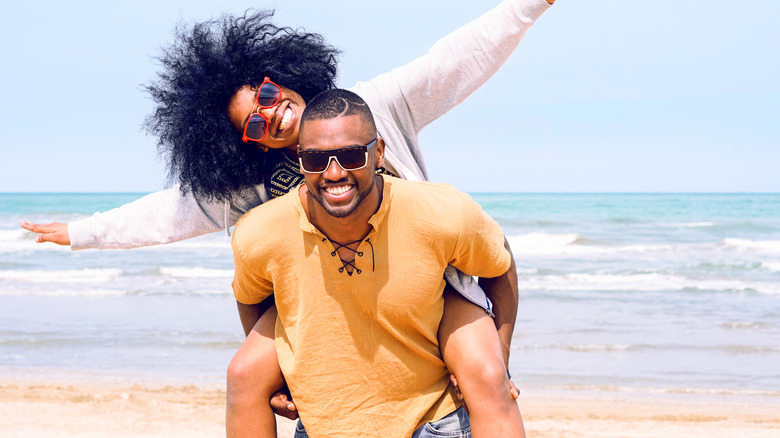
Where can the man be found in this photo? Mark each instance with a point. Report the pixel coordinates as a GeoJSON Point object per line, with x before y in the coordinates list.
{"type": "Point", "coordinates": [356, 263]}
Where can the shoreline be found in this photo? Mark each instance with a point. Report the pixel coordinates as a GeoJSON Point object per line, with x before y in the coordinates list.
{"type": "Point", "coordinates": [589, 413]}
{"type": "Point", "coordinates": [29, 408]}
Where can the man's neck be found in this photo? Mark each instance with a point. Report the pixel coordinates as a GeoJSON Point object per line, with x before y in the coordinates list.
{"type": "Point", "coordinates": [349, 228]}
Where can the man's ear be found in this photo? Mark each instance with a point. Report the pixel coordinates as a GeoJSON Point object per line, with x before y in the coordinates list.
{"type": "Point", "coordinates": [379, 151]}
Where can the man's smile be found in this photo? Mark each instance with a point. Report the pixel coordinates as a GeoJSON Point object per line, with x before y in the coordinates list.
{"type": "Point", "coordinates": [339, 191]}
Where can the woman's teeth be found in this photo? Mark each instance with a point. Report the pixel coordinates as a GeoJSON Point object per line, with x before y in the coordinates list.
{"type": "Point", "coordinates": [286, 117]}
{"type": "Point", "coordinates": [338, 191]}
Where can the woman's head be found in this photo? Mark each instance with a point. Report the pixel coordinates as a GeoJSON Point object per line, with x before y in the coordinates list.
{"type": "Point", "coordinates": [267, 116]}
{"type": "Point", "coordinates": [212, 67]}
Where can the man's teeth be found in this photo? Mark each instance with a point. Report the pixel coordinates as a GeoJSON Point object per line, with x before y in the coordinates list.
{"type": "Point", "coordinates": [285, 119]}
{"type": "Point", "coordinates": [338, 191]}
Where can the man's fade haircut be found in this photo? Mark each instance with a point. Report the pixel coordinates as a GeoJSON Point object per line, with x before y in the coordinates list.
{"type": "Point", "coordinates": [202, 70]}
{"type": "Point", "coordinates": [337, 103]}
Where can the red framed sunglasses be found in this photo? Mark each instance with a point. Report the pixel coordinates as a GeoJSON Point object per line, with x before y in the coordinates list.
{"type": "Point", "coordinates": [256, 127]}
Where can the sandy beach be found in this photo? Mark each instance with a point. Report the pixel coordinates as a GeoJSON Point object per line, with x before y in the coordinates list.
{"type": "Point", "coordinates": [29, 409]}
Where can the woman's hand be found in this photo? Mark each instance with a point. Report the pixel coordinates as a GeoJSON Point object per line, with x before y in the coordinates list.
{"type": "Point", "coordinates": [283, 406]}
{"type": "Point", "coordinates": [513, 391]}
{"type": "Point", "coordinates": [55, 232]}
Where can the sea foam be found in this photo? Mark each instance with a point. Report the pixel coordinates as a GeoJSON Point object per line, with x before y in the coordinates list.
{"type": "Point", "coordinates": [197, 272]}
{"type": "Point", "coordinates": [544, 243]}
{"type": "Point", "coordinates": [771, 266]}
{"type": "Point", "coordinates": [642, 282]}
{"type": "Point", "coordinates": [62, 276]}
{"type": "Point", "coordinates": [769, 246]}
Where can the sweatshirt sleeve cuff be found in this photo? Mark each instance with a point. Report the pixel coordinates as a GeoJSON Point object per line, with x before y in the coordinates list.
{"type": "Point", "coordinates": [530, 9]}
{"type": "Point", "coordinates": [81, 234]}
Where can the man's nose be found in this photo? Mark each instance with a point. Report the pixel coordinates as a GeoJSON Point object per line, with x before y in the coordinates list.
{"type": "Point", "coordinates": [334, 172]}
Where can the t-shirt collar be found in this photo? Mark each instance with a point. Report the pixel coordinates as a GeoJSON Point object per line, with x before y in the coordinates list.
{"type": "Point", "coordinates": [375, 220]}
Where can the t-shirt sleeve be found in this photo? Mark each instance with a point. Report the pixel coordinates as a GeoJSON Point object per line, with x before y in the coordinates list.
{"type": "Point", "coordinates": [251, 281]}
{"type": "Point", "coordinates": [479, 249]}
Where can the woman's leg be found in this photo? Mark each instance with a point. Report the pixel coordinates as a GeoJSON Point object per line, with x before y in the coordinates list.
{"type": "Point", "coordinates": [472, 352]}
{"type": "Point", "coordinates": [253, 376]}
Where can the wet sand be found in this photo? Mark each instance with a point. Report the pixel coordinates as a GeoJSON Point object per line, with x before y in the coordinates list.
{"type": "Point", "coordinates": [29, 409]}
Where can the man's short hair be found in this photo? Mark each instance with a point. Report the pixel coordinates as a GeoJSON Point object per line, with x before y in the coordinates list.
{"type": "Point", "coordinates": [337, 102]}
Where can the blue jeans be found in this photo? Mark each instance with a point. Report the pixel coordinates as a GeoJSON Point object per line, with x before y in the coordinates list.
{"type": "Point", "coordinates": [454, 425]}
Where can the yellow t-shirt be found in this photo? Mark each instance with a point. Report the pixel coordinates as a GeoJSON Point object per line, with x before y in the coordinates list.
{"type": "Point", "coordinates": [360, 353]}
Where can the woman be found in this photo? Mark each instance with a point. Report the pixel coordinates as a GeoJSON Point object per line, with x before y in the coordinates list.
{"type": "Point", "coordinates": [230, 151]}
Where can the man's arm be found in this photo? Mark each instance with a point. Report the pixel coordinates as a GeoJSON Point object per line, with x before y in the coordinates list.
{"type": "Point", "coordinates": [502, 291]}
{"type": "Point", "coordinates": [483, 251]}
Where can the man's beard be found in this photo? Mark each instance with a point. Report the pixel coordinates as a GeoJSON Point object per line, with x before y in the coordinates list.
{"type": "Point", "coordinates": [340, 212]}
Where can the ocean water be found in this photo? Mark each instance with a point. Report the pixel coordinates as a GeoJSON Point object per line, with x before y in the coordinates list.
{"type": "Point", "coordinates": [667, 293]}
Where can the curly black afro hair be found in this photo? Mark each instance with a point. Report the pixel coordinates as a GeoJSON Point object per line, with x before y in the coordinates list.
{"type": "Point", "coordinates": [202, 70]}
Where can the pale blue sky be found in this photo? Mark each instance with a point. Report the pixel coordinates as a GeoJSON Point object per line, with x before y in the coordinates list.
{"type": "Point", "coordinates": [626, 96]}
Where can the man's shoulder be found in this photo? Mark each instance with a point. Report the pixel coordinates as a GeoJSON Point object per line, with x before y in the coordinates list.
{"type": "Point", "coordinates": [433, 202]}
{"type": "Point", "coordinates": [268, 220]}
{"type": "Point", "coordinates": [425, 191]}
{"type": "Point", "coordinates": [268, 211]}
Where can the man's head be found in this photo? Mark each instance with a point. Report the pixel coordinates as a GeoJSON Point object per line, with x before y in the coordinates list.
{"type": "Point", "coordinates": [219, 64]}
{"type": "Point", "coordinates": [339, 151]}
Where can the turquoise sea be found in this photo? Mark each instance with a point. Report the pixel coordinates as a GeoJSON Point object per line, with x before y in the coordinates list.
{"type": "Point", "coordinates": [658, 293]}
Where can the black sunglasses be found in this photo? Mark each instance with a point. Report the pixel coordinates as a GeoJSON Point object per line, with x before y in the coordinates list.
{"type": "Point", "coordinates": [349, 158]}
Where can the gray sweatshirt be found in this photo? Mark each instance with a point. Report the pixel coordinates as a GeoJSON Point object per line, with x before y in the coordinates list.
{"type": "Point", "coordinates": [403, 101]}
